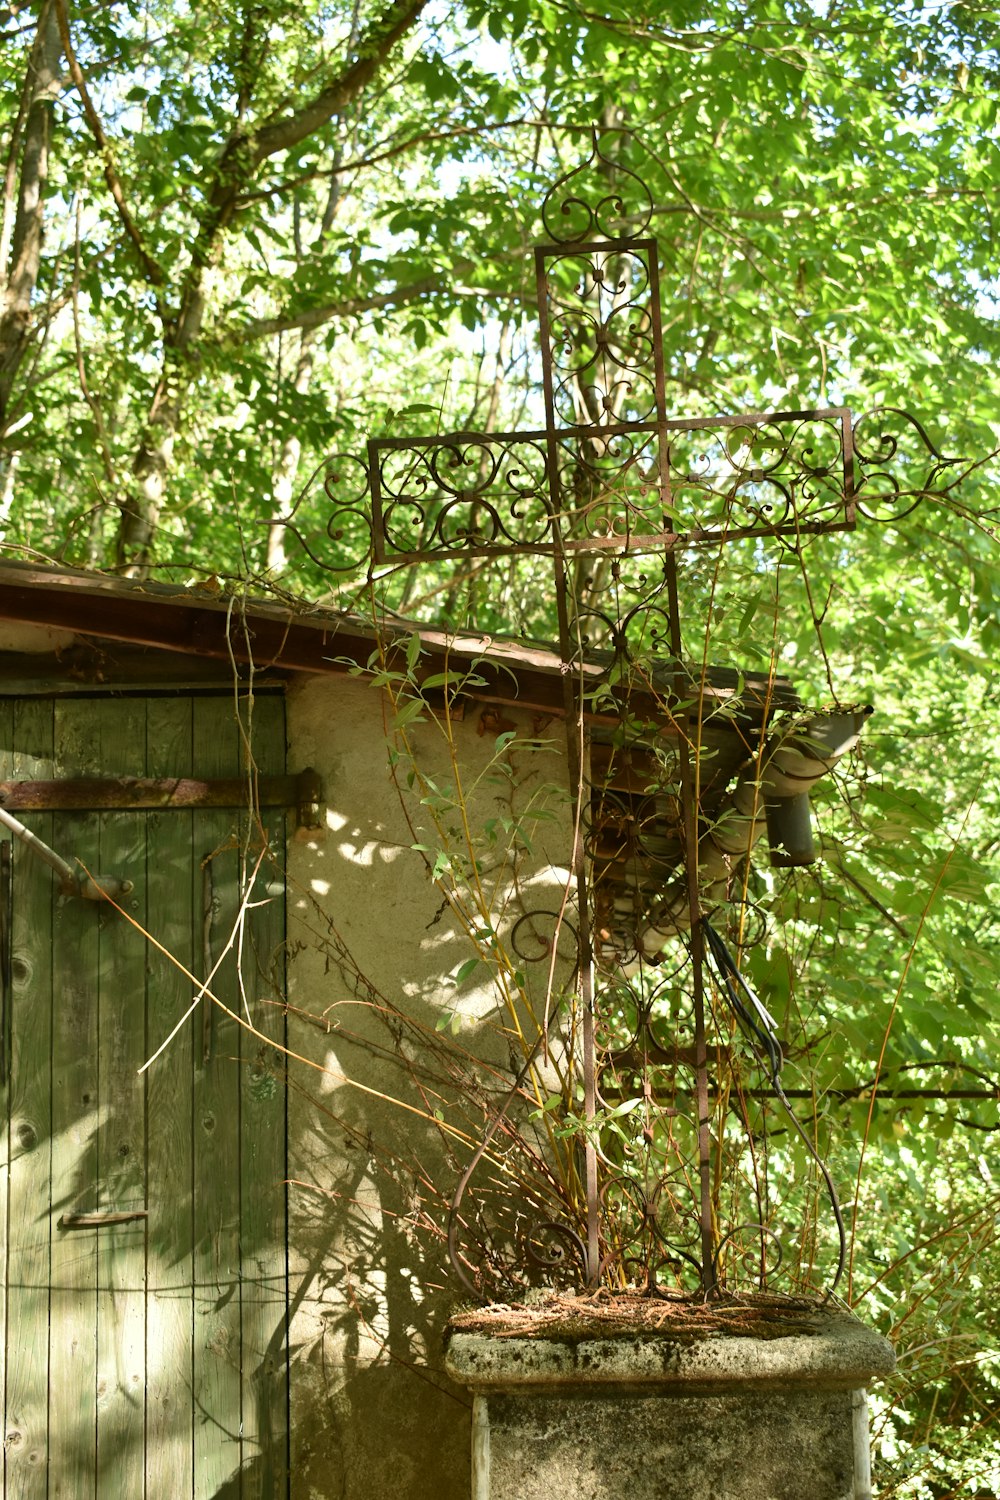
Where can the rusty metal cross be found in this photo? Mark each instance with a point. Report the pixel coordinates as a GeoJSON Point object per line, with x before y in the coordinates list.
{"type": "Point", "coordinates": [612, 475]}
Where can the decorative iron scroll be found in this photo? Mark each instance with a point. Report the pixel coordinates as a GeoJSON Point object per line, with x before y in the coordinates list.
{"type": "Point", "coordinates": [344, 542]}
{"type": "Point", "coordinates": [633, 487]}
{"type": "Point", "coordinates": [599, 198]}
{"type": "Point", "coordinates": [898, 466]}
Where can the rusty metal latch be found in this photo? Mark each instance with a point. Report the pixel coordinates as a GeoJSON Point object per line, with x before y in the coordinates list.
{"type": "Point", "coordinates": [102, 1221]}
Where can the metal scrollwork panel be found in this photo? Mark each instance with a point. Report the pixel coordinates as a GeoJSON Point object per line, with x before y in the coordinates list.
{"type": "Point", "coordinates": [608, 492]}
{"type": "Point", "coordinates": [769, 473]}
{"type": "Point", "coordinates": [602, 347]}
{"type": "Point", "coordinates": [897, 464]}
{"type": "Point", "coordinates": [609, 481]}
{"type": "Point", "coordinates": [467, 493]}
{"type": "Point", "coordinates": [620, 487]}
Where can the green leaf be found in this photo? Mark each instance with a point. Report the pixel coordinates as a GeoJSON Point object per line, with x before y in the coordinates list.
{"type": "Point", "coordinates": [407, 714]}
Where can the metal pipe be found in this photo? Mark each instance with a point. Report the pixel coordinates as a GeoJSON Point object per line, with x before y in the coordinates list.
{"type": "Point", "coordinates": [71, 882]}
{"type": "Point", "coordinates": [775, 796]}
{"type": "Point", "coordinates": [771, 795]}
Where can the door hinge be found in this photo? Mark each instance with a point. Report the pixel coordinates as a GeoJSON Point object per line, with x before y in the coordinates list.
{"type": "Point", "coordinates": [303, 791]}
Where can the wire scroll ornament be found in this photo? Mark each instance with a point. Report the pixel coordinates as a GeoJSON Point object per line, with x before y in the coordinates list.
{"type": "Point", "coordinates": [598, 199]}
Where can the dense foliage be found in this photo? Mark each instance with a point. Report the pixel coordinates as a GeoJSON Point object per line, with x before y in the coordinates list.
{"type": "Point", "coordinates": [237, 238]}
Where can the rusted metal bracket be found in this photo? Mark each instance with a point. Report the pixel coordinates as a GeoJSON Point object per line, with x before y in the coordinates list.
{"type": "Point", "coordinates": [303, 791]}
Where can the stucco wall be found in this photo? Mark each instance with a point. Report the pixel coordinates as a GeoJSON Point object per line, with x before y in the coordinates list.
{"type": "Point", "coordinates": [36, 638]}
{"type": "Point", "coordinates": [373, 1413]}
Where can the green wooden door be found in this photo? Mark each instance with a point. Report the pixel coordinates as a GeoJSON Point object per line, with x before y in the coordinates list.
{"type": "Point", "coordinates": [144, 1357]}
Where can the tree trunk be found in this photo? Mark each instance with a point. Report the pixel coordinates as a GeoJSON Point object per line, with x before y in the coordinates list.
{"type": "Point", "coordinates": [21, 273]}
{"type": "Point", "coordinates": [237, 166]}
{"type": "Point", "coordinates": [287, 467]}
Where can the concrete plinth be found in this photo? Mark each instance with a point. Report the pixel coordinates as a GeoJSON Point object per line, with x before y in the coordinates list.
{"type": "Point", "coordinates": [705, 1414]}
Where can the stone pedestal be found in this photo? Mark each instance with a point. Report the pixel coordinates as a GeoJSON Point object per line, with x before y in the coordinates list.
{"type": "Point", "coordinates": [710, 1413]}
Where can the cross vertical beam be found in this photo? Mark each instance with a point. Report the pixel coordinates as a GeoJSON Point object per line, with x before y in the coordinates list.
{"type": "Point", "coordinates": [614, 309]}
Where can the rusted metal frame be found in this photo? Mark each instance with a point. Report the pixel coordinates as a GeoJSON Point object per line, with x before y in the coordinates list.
{"type": "Point", "coordinates": [850, 497]}
{"type": "Point", "coordinates": [841, 414]}
{"type": "Point", "coordinates": [609, 245]}
{"type": "Point", "coordinates": [864, 1090]}
{"type": "Point", "coordinates": [555, 440]}
{"type": "Point", "coordinates": [845, 1094]}
{"type": "Point", "coordinates": [375, 494]}
{"type": "Point", "coordinates": [680, 689]}
{"type": "Point", "coordinates": [648, 541]}
{"type": "Point", "coordinates": [576, 731]}
{"type": "Point", "coordinates": [661, 425]}
{"type": "Point", "coordinates": [689, 816]}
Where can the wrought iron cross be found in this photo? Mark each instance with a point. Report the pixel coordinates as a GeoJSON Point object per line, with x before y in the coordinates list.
{"type": "Point", "coordinates": [610, 477]}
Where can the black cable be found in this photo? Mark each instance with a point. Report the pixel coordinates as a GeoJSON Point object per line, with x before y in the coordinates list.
{"type": "Point", "coordinates": [759, 1023]}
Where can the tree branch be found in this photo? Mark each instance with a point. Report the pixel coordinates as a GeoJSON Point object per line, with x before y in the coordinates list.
{"type": "Point", "coordinates": [374, 46]}
{"type": "Point", "coordinates": [243, 154]}
{"type": "Point", "coordinates": [385, 153]}
{"type": "Point", "coordinates": [316, 317]}
{"type": "Point", "coordinates": [10, 167]}
{"type": "Point", "coordinates": [152, 271]}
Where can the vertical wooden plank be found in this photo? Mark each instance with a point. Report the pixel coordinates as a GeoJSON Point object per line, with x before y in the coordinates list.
{"type": "Point", "coordinates": [6, 738]}
{"type": "Point", "coordinates": [29, 1127]}
{"type": "Point", "coordinates": [119, 748]}
{"type": "Point", "coordinates": [264, 1280]}
{"type": "Point", "coordinates": [6, 771]}
{"type": "Point", "coordinates": [173, 921]}
{"type": "Point", "coordinates": [216, 1174]}
{"type": "Point", "coordinates": [75, 1119]}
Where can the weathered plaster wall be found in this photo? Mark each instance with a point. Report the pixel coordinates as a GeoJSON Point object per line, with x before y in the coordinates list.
{"type": "Point", "coordinates": [373, 1412]}
{"type": "Point", "coordinates": [36, 638]}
